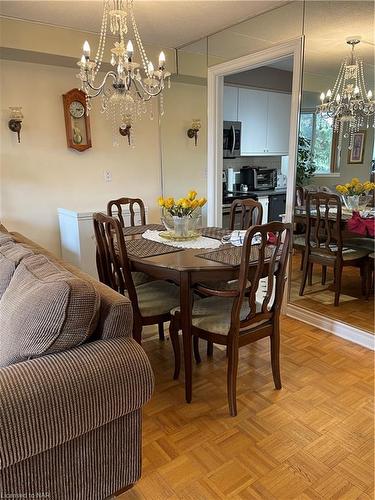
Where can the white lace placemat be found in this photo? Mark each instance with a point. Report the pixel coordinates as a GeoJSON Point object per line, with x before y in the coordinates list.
{"type": "Point", "coordinates": [201, 242]}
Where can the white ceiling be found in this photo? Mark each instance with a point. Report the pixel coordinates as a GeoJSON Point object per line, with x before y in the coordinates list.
{"type": "Point", "coordinates": [168, 23]}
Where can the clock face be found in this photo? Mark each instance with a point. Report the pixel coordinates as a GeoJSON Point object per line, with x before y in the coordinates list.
{"type": "Point", "coordinates": [76, 109]}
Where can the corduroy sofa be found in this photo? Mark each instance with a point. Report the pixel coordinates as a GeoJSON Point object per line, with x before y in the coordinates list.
{"type": "Point", "coordinates": [70, 421]}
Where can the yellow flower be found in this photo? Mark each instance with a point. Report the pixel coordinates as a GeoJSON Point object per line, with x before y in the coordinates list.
{"type": "Point", "coordinates": [355, 181]}
{"type": "Point", "coordinates": [191, 195]}
{"type": "Point", "coordinates": [186, 203]}
{"type": "Point", "coordinates": [194, 204]}
{"type": "Point", "coordinates": [202, 201]}
{"type": "Point", "coordinates": [342, 189]}
{"type": "Point", "coordinates": [180, 202]}
{"type": "Point", "coordinates": [169, 202]}
{"type": "Point", "coordinates": [348, 185]}
{"type": "Point", "coordinates": [161, 201]}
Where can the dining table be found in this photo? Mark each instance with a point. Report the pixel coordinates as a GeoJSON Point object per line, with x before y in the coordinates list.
{"type": "Point", "coordinates": [186, 268]}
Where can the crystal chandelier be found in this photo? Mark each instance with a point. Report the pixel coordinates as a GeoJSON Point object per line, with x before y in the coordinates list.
{"type": "Point", "coordinates": [348, 106]}
{"type": "Point", "coordinates": [125, 90]}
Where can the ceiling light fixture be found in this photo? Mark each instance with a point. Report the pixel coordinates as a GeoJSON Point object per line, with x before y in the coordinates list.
{"type": "Point", "coordinates": [125, 90]}
{"type": "Point", "coordinates": [349, 106]}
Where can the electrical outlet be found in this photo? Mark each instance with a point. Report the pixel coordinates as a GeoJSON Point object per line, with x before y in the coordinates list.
{"type": "Point", "coordinates": [107, 176]}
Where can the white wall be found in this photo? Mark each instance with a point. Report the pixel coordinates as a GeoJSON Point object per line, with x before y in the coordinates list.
{"type": "Point", "coordinates": [41, 174]}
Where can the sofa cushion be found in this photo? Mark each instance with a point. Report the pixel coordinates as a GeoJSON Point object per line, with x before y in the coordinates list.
{"type": "Point", "coordinates": [45, 309]}
{"type": "Point", "coordinates": [11, 255]}
{"type": "Point", "coordinates": [5, 238]}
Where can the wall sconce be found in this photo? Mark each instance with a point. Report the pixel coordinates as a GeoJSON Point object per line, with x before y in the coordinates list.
{"type": "Point", "coordinates": [125, 132]}
{"type": "Point", "coordinates": [15, 120]}
{"type": "Point", "coordinates": [193, 131]}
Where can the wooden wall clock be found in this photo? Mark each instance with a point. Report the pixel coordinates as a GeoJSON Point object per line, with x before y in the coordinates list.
{"type": "Point", "coordinates": [77, 123]}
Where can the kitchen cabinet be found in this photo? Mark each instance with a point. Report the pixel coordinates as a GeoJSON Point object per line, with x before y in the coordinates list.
{"type": "Point", "coordinates": [276, 206]}
{"type": "Point", "coordinates": [252, 113]}
{"type": "Point", "coordinates": [278, 122]}
{"type": "Point", "coordinates": [265, 118]}
{"type": "Point", "coordinates": [230, 104]}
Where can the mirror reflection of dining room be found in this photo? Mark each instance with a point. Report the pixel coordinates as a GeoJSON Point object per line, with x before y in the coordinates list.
{"type": "Point", "coordinates": [333, 249]}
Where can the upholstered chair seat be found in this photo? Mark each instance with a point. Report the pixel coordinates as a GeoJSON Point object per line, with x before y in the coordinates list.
{"type": "Point", "coordinates": [157, 297]}
{"type": "Point", "coordinates": [213, 314]}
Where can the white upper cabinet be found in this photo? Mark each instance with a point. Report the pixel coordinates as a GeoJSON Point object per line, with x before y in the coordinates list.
{"type": "Point", "coordinates": [278, 122]}
{"type": "Point", "coordinates": [265, 118]}
{"type": "Point", "coordinates": [230, 103]}
{"type": "Point", "coordinates": [252, 112]}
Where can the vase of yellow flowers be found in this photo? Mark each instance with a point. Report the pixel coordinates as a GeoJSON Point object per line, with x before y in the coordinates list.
{"type": "Point", "coordinates": [355, 194]}
{"type": "Point", "coordinates": [180, 217]}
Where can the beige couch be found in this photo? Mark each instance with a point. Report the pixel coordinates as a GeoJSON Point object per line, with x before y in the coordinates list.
{"type": "Point", "coordinates": [70, 422]}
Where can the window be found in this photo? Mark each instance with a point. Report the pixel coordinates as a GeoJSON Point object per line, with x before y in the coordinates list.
{"type": "Point", "coordinates": [319, 131]}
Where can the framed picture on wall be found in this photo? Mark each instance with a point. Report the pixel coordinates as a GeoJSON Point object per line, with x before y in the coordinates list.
{"type": "Point", "coordinates": [355, 155]}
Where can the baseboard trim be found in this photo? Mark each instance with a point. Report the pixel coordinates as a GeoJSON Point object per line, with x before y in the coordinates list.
{"type": "Point", "coordinates": [338, 328]}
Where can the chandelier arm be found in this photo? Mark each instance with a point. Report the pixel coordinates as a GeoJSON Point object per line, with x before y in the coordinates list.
{"type": "Point", "coordinates": [111, 74]}
{"type": "Point", "coordinates": [150, 93]}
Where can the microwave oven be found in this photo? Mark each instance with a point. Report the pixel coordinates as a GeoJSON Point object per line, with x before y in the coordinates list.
{"type": "Point", "coordinates": [259, 178]}
{"type": "Point", "coordinates": [231, 139]}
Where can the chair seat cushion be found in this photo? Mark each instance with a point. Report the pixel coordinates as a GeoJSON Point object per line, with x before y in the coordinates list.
{"type": "Point", "coordinates": [157, 297]}
{"type": "Point", "coordinates": [223, 285]}
{"type": "Point", "coordinates": [11, 255]}
{"type": "Point", "coordinates": [213, 314]}
{"type": "Point", "coordinates": [45, 309]}
{"type": "Point", "coordinates": [140, 278]}
{"type": "Point", "coordinates": [361, 244]}
{"type": "Point", "coordinates": [347, 253]}
{"type": "Point", "coordinates": [299, 240]}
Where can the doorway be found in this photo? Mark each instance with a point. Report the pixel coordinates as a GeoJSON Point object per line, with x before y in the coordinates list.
{"type": "Point", "coordinates": [216, 75]}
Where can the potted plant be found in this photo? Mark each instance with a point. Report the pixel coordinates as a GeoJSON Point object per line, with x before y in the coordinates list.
{"type": "Point", "coordinates": [181, 216]}
{"type": "Point", "coordinates": [305, 162]}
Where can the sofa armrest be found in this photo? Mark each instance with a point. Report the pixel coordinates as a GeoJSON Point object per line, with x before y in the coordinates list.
{"type": "Point", "coordinates": [47, 401]}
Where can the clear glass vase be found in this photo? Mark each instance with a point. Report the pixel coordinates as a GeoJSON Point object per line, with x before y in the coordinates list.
{"type": "Point", "coordinates": [181, 227]}
{"type": "Point", "coordinates": [356, 202]}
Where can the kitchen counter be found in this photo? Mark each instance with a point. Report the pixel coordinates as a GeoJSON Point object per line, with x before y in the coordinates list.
{"type": "Point", "coordinates": [268, 192]}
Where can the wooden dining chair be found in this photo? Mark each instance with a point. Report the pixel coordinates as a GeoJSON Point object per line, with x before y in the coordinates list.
{"type": "Point", "coordinates": [324, 244]}
{"type": "Point", "coordinates": [233, 317]}
{"type": "Point", "coordinates": [151, 301]}
{"type": "Point", "coordinates": [115, 209]}
{"type": "Point", "coordinates": [245, 213]}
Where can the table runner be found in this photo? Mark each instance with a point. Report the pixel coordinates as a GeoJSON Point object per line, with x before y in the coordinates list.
{"type": "Point", "coordinates": [147, 248]}
{"type": "Point", "coordinates": [141, 229]}
{"type": "Point", "coordinates": [231, 255]}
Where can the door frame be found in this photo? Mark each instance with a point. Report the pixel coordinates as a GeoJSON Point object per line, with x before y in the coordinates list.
{"type": "Point", "coordinates": [215, 120]}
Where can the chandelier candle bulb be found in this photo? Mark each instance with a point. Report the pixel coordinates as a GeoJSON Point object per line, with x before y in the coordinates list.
{"type": "Point", "coordinates": [129, 49]}
{"type": "Point", "coordinates": [322, 97]}
{"type": "Point", "coordinates": [369, 95]}
{"type": "Point", "coordinates": [86, 49]}
{"type": "Point", "coordinates": [329, 94]}
{"type": "Point", "coordinates": [356, 90]}
{"type": "Point", "coordinates": [83, 60]}
{"type": "Point", "coordinates": [161, 60]}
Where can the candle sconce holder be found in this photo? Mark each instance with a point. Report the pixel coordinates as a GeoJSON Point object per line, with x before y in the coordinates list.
{"type": "Point", "coordinates": [15, 122]}
{"type": "Point", "coordinates": [192, 133]}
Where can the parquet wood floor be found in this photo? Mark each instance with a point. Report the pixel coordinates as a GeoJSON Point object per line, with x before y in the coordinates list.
{"type": "Point", "coordinates": [311, 440]}
{"type": "Point", "coordinates": [353, 309]}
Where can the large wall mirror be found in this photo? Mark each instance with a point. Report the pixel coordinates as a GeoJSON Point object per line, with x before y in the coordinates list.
{"type": "Point", "coordinates": [325, 27]}
{"type": "Point", "coordinates": [326, 160]}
